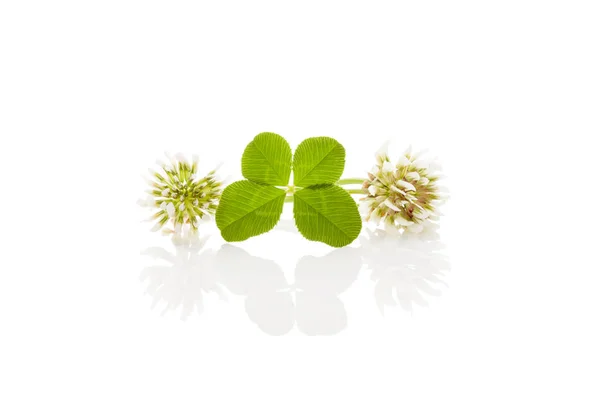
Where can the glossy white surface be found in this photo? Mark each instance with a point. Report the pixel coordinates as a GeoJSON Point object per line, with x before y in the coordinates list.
{"type": "Point", "coordinates": [504, 304]}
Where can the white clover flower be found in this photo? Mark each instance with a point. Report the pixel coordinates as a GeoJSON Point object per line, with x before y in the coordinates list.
{"type": "Point", "coordinates": [180, 196]}
{"type": "Point", "coordinates": [405, 195]}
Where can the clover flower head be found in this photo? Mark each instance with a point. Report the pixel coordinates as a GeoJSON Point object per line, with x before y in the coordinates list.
{"type": "Point", "coordinates": [404, 196]}
{"type": "Point", "coordinates": [180, 196]}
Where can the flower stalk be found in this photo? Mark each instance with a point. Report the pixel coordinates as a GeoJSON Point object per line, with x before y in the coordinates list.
{"type": "Point", "coordinates": [350, 181]}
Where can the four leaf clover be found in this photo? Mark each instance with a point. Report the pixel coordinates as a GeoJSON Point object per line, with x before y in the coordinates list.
{"type": "Point", "coordinates": [323, 211]}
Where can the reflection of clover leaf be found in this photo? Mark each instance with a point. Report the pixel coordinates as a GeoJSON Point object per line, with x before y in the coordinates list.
{"type": "Point", "coordinates": [323, 211]}
{"type": "Point", "coordinates": [189, 273]}
{"type": "Point", "coordinates": [405, 270]}
{"type": "Point", "coordinates": [312, 302]}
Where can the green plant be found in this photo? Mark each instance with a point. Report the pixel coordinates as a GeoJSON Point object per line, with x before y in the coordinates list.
{"type": "Point", "coordinates": [323, 211]}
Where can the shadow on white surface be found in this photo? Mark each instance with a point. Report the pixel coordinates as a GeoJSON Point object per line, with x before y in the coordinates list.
{"type": "Point", "coordinates": [186, 274]}
{"type": "Point", "coordinates": [406, 268]}
{"type": "Point", "coordinates": [311, 302]}
{"type": "Point", "coordinates": [406, 272]}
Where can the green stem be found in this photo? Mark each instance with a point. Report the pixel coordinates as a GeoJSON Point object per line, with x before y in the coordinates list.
{"type": "Point", "coordinates": [355, 191]}
{"type": "Point", "coordinates": [350, 181]}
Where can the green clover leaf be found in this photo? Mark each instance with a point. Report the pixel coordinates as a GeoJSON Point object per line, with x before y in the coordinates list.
{"type": "Point", "coordinates": [317, 161]}
{"type": "Point", "coordinates": [248, 209]}
{"type": "Point", "coordinates": [323, 211]}
{"type": "Point", "coordinates": [268, 159]}
{"type": "Point", "coordinates": [327, 214]}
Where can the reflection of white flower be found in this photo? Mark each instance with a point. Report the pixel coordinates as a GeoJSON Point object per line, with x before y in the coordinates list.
{"type": "Point", "coordinates": [180, 196]}
{"type": "Point", "coordinates": [403, 195]}
{"type": "Point", "coordinates": [190, 273]}
{"type": "Point", "coordinates": [405, 271]}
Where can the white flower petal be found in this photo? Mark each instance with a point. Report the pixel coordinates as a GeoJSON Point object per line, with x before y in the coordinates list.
{"type": "Point", "coordinates": [165, 192]}
{"type": "Point", "coordinates": [381, 154]}
{"type": "Point", "coordinates": [387, 167]}
{"type": "Point", "coordinates": [375, 217]}
{"type": "Point", "coordinates": [424, 181]}
{"type": "Point", "coordinates": [419, 153]}
{"type": "Point", "coordinates": [395, 189]}
{"type": "Point", "coordinates": [180, 157]}
{"type": "Point", "coordinates": [364, 207]}
{"type": "Point", "coordinates": [372, 190]}
{"type": "Point", "coordinates": [178, 228]}
{"type": "Point", "coordinates": [172, 159]}
{"type": "Point", "coordinates": [413, 176]}
{"type": "Point", "coordinates": [391, 205]}
{"type": "Point", "coordinates": [421, 163]}
{"type": "Point", "coordinates": [147, 202]}
{"type": "Point", "coordinates": [400, 220]}
{"type": "Point", "coordinates": [405, 185]}
{"type": "Point", "coordinates": [171, 210]}
{"type": "Point", "coordinates": [181, 207]}
{"type": "Point", "coordinates": [422, 214]}
{"type": "Point", "coordinates": [403, 162]}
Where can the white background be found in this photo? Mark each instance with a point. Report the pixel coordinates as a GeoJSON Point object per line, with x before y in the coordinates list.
{"type": "Point", "coordinates": [505, 93]}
